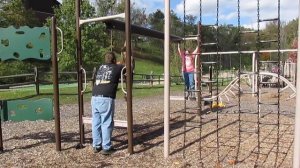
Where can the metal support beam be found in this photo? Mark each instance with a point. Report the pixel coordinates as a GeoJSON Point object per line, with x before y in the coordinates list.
{"type": "Point", "coordinates": [55, 84]}
{"type": "Point", "coordinates": [249, 52]}
{"type": "Point", "coordinates": [190, 38]}
{"type": "Point", "coordinates": [129, 77]}
{"type": "Point", "coordinates": [254, 77]}
{"type": "Point", "coordinates": [167, 80]}
{"type": "Point", "coordinates": [79, 74]}
{"type": "Point", "coordinates": [296, 161]}
{"type": "Point", "coordinates": [83, 21]}
{"type": "Point", "coordinates": [1, 140]}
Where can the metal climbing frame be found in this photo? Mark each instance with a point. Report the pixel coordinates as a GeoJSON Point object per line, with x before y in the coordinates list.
{"type": "Point", "coordinates": [260, 101]}
{"type": "Point", "coordinates": [55, 82]}
{"type": "Point", "coordinates": [81, 71]}
{"type": "Point", "coordinates": [296, 160]}
{"type": "Point", "coordinates": [211, 64]}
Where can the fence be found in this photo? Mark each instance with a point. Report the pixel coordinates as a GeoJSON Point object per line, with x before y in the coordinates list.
{"type": "Point", "coordinates": [39, 77]}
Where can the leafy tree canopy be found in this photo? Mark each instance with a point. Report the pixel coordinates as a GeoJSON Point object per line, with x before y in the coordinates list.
{"type": "Point", "coordinates": [94, 37]}
{"type": "Point", "coordinates": [14, 13]}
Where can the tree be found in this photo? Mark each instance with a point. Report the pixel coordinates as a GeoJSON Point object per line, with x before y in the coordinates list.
{"type": "Point", "coordinates": [14, 13]}
{"type": "Point", "coordinates": [190, 25]}
{"type": "Point", "coordinates": [293, 55]}
{"type": "Point", "coordinates": [105, 7]}
{"type": "Point", "coordinates": [94, 37]}
{"type": "Point", "coordinates": [156, 20]}
{"type": "Point", "coordinates": [291, 30]}
{"type": "Point", "coordinates": [176, 26]}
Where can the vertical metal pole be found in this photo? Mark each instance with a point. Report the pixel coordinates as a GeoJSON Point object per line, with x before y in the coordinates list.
{"type": "Point", "coordinates": [79, 73]}
{"type": "Point", "coordinates": [167, 80]}
{"type": "Point", "coordinates": [199, 82]}
{"type": "Point", "coordinates": [111, 40]}
{"type": "Point", "coordinates": [254, 63]}
{"type": "Point", "coordinates": [129, 76]}
{"type": "Point", "coordinates": [199, 70]}
{"type": "Point", "coordinates": [210, 84]}
{"type": "Point", "coordinates": [55, 85]}
{"type": "Point", "coordinates": [253, 76]}
{"type": "Point", "coordinates": [296, 162]}
{"type": "Point", "coordinates": [37, 81]}
{"type": "Point", "coordinates": [1, 140]}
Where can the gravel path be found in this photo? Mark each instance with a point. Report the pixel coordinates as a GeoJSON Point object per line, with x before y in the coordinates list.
{"type": "Point", "coordinates": [222, 143]}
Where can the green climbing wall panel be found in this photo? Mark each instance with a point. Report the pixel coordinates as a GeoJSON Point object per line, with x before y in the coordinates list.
{"type": "Point", "coordinates": [20, 110]}
{"type": "Point", "coordinates": [24, 42]}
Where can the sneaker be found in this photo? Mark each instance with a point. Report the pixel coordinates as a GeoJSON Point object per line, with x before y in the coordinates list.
{"type": "Point", "coordinates": [186, 95]}
{"type": "Point", "coordinates": [97, 149]}
{"type": "Point", "coordinates": [108, 151]}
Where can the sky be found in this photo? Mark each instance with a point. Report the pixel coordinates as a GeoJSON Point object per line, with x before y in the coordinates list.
{"type": "Point", "coordinates": [227, 11]}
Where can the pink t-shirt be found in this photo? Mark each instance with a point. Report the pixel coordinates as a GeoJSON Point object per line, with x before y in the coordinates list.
{"type": "Point", "coordinates": [187, 62]}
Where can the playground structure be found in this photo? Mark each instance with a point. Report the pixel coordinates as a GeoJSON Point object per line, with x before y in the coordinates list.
{"type": "Point", "coordinates": [235, 85]}
{"type": "Point", "coordinates": [38, 49]}
{"type": "Point", "coordinates": [267, 77]}
{"type": "Point", "coordinates": [256, 81]}
{"type": "Point", "coordinates": [129, 29]}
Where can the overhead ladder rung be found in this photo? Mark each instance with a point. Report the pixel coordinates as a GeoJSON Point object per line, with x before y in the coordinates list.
{"type": "Point", "coordinates": [268, 20]}
{"type": "Point", "coordinates": [268, 123]}
{"type": "Point", "coordinates": [270, 104]}
{"type": "Point", "coordinates": [209, 63]}
{"type": "Point", "coordinates": [262, 83]}
{"type": "Point", "coordinates": [249, 73]}
{"type": "Point", "coordinates": [249, 130]}
{"type": "Point", "coordinates": [209, 81]}
{"type": "Point", "coordinates": [268, 41]}
{"type": "Point", "coordinates": [248, 31]}
{"type": "Point", "coordinates": [212, 25]}
{"type": "Point", "coordinates": [122, 15]}
{"type": "Point", "coordinates": [249, 112]}
{"type": "Point", "coordinates": [208, 44]}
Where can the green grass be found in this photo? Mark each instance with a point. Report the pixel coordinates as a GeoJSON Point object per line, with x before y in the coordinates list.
{"type": "Point", "coordinates": [68, 94]}
{"type": "Point", "coordinates": [146, 66]}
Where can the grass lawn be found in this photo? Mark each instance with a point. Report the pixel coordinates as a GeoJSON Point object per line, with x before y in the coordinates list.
{"type": "Point", "coordinates": [68, 93]}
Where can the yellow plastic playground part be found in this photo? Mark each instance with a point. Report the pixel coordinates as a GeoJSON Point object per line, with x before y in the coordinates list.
{"type": "Point", "coordinates": [218, 105]}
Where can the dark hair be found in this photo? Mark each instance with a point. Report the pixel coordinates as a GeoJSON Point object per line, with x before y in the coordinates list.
{"type": "Point", "coordinates": [110, 58]}
{"type": "Point", "coordinates": [189, 50]}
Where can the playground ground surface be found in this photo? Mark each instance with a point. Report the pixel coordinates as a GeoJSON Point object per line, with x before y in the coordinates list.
{"type": "Point", "coordinates": [32, 144]}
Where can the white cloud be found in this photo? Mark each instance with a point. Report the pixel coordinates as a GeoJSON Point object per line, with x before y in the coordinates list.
{"type": "Point", "coordinates": [150, 5]}
{"type": "Point", "coordinates": [227, 9]}
{"type": "Point", "coordinates": [248, 10]}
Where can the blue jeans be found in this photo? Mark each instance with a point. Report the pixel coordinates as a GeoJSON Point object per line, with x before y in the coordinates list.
{"type": "Point", "coordinates": [102, 121]}
{"type": "Point", "coordinates": [189, 80]}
